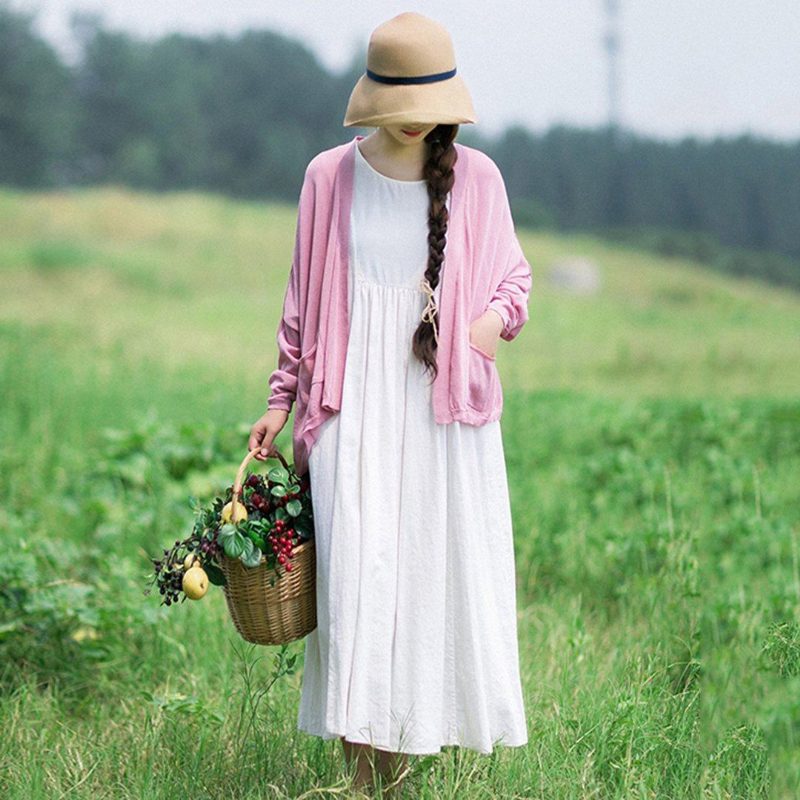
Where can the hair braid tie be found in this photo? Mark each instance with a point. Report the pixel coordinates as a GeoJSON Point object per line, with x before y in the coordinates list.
{"type": "Point", "coordinates": [430, 308]}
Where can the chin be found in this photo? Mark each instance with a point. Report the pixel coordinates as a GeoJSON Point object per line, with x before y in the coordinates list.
{"type": "Point", "coordinates": [398, 132]}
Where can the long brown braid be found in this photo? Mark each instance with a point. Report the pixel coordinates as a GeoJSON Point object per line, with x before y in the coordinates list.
{"type": "Point", "coordinates": [438, 172]}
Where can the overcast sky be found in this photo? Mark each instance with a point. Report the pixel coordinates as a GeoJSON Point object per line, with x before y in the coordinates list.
{"type": "Point", "coordinates": [702, 67]}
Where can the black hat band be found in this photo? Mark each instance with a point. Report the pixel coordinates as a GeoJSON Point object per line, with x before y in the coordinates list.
{"type": "Point", "coordinates": [439, 76]}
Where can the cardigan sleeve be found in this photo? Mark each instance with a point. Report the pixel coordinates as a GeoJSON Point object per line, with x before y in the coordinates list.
{"type": "Point", "coordinates": [283, 380]}
{"type": "Point", "coordinates": [510, 296]}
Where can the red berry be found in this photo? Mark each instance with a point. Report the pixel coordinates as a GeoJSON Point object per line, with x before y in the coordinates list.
{"type": "Point", "coordinates": [281, 559]}
{"type": "Point", "coordinates": [288, 567]}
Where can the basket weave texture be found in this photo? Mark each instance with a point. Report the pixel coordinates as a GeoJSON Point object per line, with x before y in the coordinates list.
{"type": "Point", "coordinates": [269, 605]}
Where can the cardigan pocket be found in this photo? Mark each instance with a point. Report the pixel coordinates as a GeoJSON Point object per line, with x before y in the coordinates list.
{"type": "Point", "coordinates": [483, 390]}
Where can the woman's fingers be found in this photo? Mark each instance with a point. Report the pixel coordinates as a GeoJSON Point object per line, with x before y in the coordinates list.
{"type": "Point", "coordinates": [263, 433]}
{"type": "Point", "coordinates": [256, 436]}
{"type": "Point", "coordinates": [263, 438]}
{"type": "Point", "coordinates": [259, 438]}
{"type": "Point", "coordinates": [266, 447]}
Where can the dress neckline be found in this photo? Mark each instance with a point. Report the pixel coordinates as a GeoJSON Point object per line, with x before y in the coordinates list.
{"type": "Point", "coordinates": [372, 169]}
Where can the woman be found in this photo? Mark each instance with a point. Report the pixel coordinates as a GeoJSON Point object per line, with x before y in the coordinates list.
{"type": "Point", "coordinates": [406, 266]}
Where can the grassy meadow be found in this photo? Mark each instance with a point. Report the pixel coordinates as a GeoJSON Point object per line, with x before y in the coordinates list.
{"type": "Point", "coordinates": [652, 437]}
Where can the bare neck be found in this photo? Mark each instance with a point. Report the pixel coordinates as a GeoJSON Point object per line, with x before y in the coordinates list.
{"type": "Point", "coordinates": [394, 159]}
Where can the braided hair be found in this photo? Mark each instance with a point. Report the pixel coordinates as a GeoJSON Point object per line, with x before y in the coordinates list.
{"type": "Point", "coordinates": [438, 172]}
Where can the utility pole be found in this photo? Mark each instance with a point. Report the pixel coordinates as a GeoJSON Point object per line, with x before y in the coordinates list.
{"type": "Point", "coordinates": [612, 44]}
{"type": "Point", "coordinates": [616, 206]}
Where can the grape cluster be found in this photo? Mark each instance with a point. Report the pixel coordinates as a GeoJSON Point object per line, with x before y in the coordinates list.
{"type": "Point", "coordinates": [172, 586]}
{"type": "Point", "coordinates": [209, 548]}
{"type": "Point", "coordinates": [260, 502]}
{"type": "Point", "coordinates": [169, 574]}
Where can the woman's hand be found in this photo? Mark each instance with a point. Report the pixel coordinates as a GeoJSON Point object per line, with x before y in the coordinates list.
{"type": "Point", "coordinates": [265, 430]}
{"type": "Point", "coordinates": [484, 332]}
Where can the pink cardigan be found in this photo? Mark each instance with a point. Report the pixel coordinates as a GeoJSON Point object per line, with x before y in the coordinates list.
{"type": "Point", "coordinates": [484, 267]}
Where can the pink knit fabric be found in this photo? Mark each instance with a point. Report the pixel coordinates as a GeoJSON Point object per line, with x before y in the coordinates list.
{"type": "Point", "coordinates": [484, 267]}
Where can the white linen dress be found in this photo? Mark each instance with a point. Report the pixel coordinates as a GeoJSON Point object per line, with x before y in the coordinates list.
{"type": "Point", "coordinates": [416, 642]}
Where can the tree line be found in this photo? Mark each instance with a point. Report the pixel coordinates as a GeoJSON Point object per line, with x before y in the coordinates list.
{"type": "Point", "coordinates": [244, 114]}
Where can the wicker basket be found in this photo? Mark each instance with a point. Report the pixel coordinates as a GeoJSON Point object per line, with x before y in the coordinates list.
{"type": "Point", "coordinates": [265, 614]}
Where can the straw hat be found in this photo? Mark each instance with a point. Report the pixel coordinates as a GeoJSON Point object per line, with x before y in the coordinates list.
{"type": "Point", "coordinates": [410, 77]}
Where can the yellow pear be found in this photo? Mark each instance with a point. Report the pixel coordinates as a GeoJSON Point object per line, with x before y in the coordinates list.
{"type": "Point", "coordinates": [241, 512]}
{"type": "Point", "coordinates": [195, 582]}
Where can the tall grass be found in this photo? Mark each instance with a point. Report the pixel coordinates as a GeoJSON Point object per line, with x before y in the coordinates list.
{"type": "Point", "coordinates": [655, 506]}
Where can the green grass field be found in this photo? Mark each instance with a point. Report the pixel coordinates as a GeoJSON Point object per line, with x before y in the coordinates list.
{"type": "Point", "coordinates": [652, 436]}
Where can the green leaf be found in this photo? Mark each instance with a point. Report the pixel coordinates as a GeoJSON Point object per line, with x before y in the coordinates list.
{"type": "Point", "coordinates": [278, 491]}
{"type": "Point", "coordinates": [294, 507]}
{"type": "Point", "coordinates": [226, 531]}
{"type": "Point", "coordinates": [235, 544]}
{"type": "Point", "coordinates": [215, 574]}
{"type": "Point", "coordinates": [278, 475]}
{"type": "Point", "coordinates": [253, 558]}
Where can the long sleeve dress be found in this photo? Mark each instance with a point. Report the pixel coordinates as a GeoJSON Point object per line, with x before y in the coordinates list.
{"type": "Point", "coordinates": [416, 642]}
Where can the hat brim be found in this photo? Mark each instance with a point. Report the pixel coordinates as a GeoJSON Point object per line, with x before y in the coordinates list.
{"type": "Point", "coordinates": [444, 102]}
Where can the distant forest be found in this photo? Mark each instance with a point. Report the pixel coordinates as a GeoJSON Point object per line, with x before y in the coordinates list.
{"type": "Point", "coordinates": [243, 115]}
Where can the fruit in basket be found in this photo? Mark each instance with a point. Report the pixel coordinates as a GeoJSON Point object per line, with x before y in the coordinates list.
{"type": "Point", "coordinates": [241, 512]}
{"type": "Point", "coordinates": [195, 582]}
{"type": "Point", "coordinates": [276, 519]}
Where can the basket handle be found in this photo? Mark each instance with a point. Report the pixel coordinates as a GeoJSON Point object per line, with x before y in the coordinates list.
{"type": "Point", "coordinates": [237, 484]}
